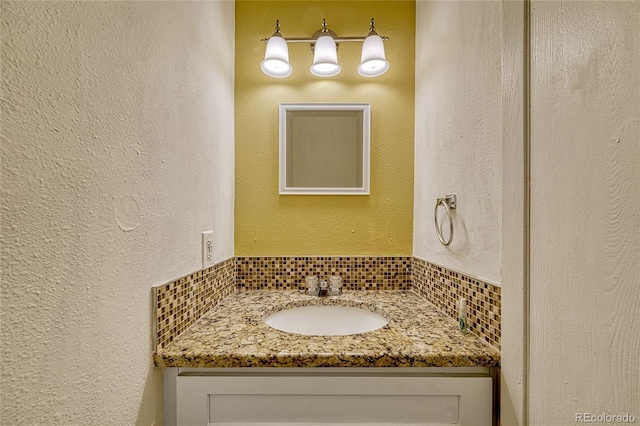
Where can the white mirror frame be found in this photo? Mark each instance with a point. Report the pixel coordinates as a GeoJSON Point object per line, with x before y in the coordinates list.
{"type": "Point", "coordinates": [366, 156]}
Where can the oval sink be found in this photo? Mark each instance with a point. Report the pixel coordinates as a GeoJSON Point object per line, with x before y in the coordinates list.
{"type": "Point", "coordinates": [326, 320]}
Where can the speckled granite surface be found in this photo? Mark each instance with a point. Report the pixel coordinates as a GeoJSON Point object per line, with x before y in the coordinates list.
{"type": "Point", "coordinates": [234, 335]}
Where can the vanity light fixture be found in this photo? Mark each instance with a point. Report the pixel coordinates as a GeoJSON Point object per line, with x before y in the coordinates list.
{"type": "Point", "coordinates": [372, 61]}
{"type": "Point", "coordinates": [276, 59]}
{"type": "Point", "coordinates": [325, 54]}
{"type": "Point", "coordinates": [324, 46]}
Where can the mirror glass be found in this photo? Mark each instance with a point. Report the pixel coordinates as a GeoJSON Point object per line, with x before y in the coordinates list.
{"type": "Point", "coordinates": [324, 148]}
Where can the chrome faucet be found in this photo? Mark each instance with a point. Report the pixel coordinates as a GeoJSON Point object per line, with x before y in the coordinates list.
{"type": "Point", "coordinates": [322, 288]}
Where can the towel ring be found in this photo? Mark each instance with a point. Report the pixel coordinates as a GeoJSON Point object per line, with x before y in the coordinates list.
{"type": "Point", "coordinates": [449, 202]}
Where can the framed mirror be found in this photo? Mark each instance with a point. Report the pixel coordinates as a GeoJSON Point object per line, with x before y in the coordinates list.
{"type": "Point", "coordinates": [324, 148]}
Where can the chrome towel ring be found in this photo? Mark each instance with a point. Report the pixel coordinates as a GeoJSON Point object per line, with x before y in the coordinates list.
{"type": "Point", "coordinates": [449, 202]}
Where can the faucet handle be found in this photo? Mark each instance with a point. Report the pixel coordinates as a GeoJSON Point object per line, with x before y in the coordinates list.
{"type": "Point", "coordinates": [312, 285]}
{"type": "Point", "coordinates": [336, 284]}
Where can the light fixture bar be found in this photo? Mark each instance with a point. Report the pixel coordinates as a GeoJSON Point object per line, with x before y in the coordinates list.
{"type": "Point", "coordinates": [324, 29]}
{"type": "Point", "coordinates": [313, 40]}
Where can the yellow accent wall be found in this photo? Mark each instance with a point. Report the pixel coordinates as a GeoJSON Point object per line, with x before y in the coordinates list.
{"type": "Point", "coordinates": [269, 224]}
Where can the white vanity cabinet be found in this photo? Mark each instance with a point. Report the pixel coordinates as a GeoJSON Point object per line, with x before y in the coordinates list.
{"type": "Point", "coordinates": [314, 396]}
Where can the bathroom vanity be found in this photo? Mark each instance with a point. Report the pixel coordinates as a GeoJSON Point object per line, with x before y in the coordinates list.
{"type": "Point", "coordinates": [230, 367]}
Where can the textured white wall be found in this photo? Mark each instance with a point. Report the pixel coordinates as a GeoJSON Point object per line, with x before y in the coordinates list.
{"type": "Point", "coordinates": [585, 210]}
{"type": "Point", "coordinates": [458, 144]}
{"type": "Point", "coordinates": [512, 361]}
{"type": "Point", "coordinates": [117, 151]}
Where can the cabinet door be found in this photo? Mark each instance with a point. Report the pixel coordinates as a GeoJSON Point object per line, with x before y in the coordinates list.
{"type": "Point", "coordinates": [339, 400]}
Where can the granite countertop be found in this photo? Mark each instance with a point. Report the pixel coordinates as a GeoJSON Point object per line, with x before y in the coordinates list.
{"type": "Point", "coordinates": [233, 334]}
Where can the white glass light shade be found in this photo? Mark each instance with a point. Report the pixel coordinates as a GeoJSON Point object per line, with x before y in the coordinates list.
{"type": "Point", "coordinates": [325, 57]}
{"type": "Point", "coordinates": [276, 59]}
{"type": "Point", "coordinates": [372, 61]}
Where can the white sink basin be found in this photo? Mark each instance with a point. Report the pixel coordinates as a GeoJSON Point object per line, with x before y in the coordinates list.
{"type": "Point", "coordinates": [326, 320]}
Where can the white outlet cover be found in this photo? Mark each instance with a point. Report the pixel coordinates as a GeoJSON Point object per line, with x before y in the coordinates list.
{"type": "Point", "coordinates": [207, 249]}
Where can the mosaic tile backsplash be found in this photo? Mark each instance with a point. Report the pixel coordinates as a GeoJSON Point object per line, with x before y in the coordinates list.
{"type": "Point", "coordinates": [357, 272]}
{"type": "Point", "coordinates": [444, 287]}
{"type": "Point", "coordinates": [182, 302]}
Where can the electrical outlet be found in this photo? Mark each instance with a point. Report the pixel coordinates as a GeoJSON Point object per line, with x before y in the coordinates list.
{"type": "Point", "coordinates": [207, 249]}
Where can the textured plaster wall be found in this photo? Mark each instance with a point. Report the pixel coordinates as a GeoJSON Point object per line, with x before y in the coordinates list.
{"type": "Point", "coordinates": [269, 224]}
{"type": "Point", "coordinates": [585, 210]}
{"type": "Point", "coordinates": [513, 307]}
{"type": "Point", "coordinates": [458, 137]}
{"type": "Point", "coordinates": [117, 151]}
